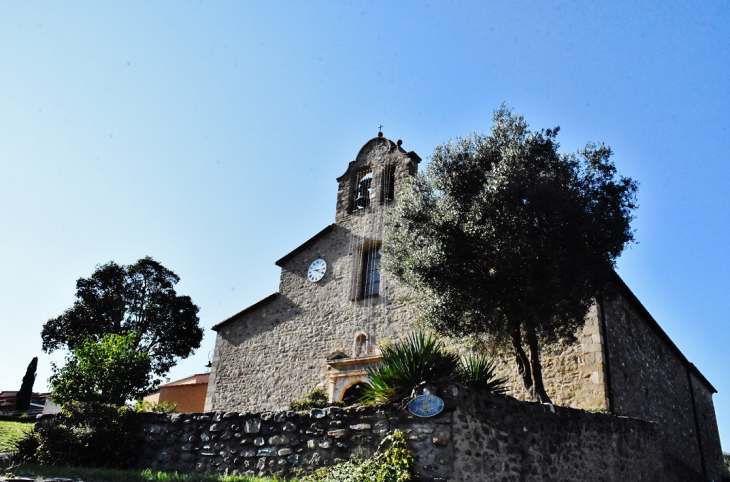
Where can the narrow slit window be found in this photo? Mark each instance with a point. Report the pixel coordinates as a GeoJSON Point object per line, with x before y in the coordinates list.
{"type": "Point", "coordinates": [363, 184]}
{"type": "Point", "coordinates": [371, 273]}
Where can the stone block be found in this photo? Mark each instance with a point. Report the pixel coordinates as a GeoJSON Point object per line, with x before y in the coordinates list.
{"type": "Point", "coordinates": [278, 440]}
{"type": "Point", "coordinates": [289, 427]}
{"type": "Point", "coordinates": [441, 437]}
{"type": "Point", "coordinates": [338, 434]}
{"type": "Point", "coordinates": [381, 427]}
{"type": "Point", "coordinates": [252, 425]}
{"type": "Point", "coordinates": [360, 426]}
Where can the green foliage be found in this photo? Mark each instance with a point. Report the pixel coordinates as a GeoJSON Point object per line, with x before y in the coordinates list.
{"type": "Point", "coordinates": [478, 371]}
{"type": "Point", "coordinates": [726, 460]}
{"type": "Point", "coordinates": [110, 370]}
{"type": "Point", "coordinates": [502, 235]}
{"type": "Point", "coordinates": [116, 475]}
{"type": "Point", "coordinates": [22, 400]}
{"type": "Point", "coordinates": [11, 433]}
{"type": "Point", "coordinates": [317, 398]}
{"type": "Point", "coordinates": [138, 298]}
{"type": "Point", "coordinates": [414, 361]}
{"type": "Point", "coordinates": [154, 407]}
{"type": "Point", "coordinates": [392, 462]}
{"type": "Point", "coordinates": [421, 359]}
{"type": "Point", "coordinates": [86, 435]}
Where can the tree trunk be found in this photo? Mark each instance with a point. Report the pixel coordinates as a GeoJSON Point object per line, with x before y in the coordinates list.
{"type": "Point", "coordinates": [538, 387]}
{"type": "Point", "coordinates": [523, 364]}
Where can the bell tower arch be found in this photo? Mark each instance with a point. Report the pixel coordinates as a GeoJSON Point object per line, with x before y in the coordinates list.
{"type": "Point", "coordinates": [374, 179]}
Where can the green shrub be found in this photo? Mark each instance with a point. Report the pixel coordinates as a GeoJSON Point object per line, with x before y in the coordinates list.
{"type": "Point", "coordinates": [478, 371]}
{"type": "Point", "coordinates": [392, 462]}
{"type": "Point", "coordinates": [421, 359]}
{"type": "Point", "coordinates": [317, 398]}
{"type": "Point", "coordinates": [417, 360]}
{"type": "Point", "coordinates": [85, 435]}
{"type": "Point", "coordinates": [154, 407]}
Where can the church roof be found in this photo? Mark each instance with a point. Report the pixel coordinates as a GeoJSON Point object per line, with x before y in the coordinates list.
{"type": "Point", "coordinates": [653, 325]}
{"type": "Point", "coordinates": [304, 246]}
{"type": "Point", "coordinates": [254, 306]}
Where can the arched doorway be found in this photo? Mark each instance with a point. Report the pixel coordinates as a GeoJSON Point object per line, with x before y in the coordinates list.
{"type": "Point", "coordinates": [354, 393]}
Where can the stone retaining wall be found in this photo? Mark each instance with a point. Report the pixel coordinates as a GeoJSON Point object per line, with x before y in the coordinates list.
{"type": "Point", "coordinates": [477, 437]}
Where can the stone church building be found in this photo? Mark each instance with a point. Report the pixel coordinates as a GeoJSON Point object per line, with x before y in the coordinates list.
{"type": "Point", "coordinates": [323, 327]}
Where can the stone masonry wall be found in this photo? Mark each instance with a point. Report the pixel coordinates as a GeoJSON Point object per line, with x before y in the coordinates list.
{"type": "Point", "coordinates": [276, 353]}
{"type": "Point", "coordinates": [477, 437]}
{"type": "Point", "coordinates": [649, 381]}
{"type": "Point", "coordinates": [573, 372]}
{"type": "Point", "coordinates": [709, 433]}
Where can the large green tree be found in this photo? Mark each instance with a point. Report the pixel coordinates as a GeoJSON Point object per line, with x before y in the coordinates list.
{"type": "Point", "coordinates": [139, 299]}
{"type": "Point", "coordinates": [502, 235]}
{"type": "Point", "coordinates": [108, 370]}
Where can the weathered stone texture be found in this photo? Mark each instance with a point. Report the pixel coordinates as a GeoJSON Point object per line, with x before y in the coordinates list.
{"type": "Point", "coordinates": [709, 433]}
{"type": "Point", "coordinates": [275, 352]}
{"type": "Point", "coordinates": [573, 372]}
{"type": "Point", "coordinates": [651, 382]}
{"type": "Point", "coordinates": [501, 439]}
{"type": "Point", "coordinates": [477, 437]}
{"type": "Point", "coordinates": [296, 441]}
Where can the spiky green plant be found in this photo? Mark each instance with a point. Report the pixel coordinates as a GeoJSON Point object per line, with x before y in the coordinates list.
{"type": "Point", "coordinates": [478, 371]}
{"type": "Point", "coordinates": [414, 361]}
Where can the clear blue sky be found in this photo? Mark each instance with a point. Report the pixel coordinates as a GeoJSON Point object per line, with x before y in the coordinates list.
{"type": "Point", "coordinates": [208, 135]}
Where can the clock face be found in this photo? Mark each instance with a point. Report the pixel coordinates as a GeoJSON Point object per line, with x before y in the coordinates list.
{"type": "Point", "coordinates": [316, 270]}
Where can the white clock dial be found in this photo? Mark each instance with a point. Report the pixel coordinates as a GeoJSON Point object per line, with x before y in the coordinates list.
{"type": "Point", "coordinates": [316, 270]}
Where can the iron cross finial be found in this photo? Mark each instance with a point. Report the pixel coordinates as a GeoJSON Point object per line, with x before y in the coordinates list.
{"type": "Point", "coordinates": [380, 128]}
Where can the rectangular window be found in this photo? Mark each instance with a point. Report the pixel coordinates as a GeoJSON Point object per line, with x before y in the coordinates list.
{"type": "Point", "coordinates": [371, 273]}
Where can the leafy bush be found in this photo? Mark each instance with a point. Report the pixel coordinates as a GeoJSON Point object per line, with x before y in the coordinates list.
{"type": "Point", "coordinates": [85, 435]}
{"type": "Point", "coordinates": [108, 370]}
{"type": "Point", "coordinates": [421, 359]}
{"type": "Point", "coordinates": [478, 371]}
{"type": "Point", "coordinates": [317, 398]}
{"type": "Point", "coordinates": [417, 360]}
{"type": "Point", "coordinates": [153, 407]}
{"type": "Point", "coordinates": [392, 462]}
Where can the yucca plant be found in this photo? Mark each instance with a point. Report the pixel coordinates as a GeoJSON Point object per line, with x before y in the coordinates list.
{"type": "Point", "coordinates": [414, 361]}
{"type": "Point", "coordinates": [478, 371]}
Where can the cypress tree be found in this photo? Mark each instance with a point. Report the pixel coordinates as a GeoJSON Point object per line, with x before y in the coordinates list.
{"type": "Point", "coordinates": [22, 401]}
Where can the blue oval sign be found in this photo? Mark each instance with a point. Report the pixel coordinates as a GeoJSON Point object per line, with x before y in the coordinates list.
{"type": "Point", "coordinates": [426, 406]}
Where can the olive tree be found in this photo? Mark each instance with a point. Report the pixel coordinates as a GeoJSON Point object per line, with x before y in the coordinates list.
{"type": "Point", "coordinates": [503, 235]}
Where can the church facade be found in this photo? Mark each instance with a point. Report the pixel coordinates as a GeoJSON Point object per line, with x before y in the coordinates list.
{"type": "Point", "coordinates": [333, 309]}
